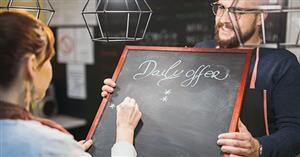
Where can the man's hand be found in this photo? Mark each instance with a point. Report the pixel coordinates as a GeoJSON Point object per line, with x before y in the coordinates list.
{"type": "Point", "coordinates": [108, 87]}
{"type": "Point", "coordinates": [128, 116]}
{"type": "Point", "coordinates": [239, 144]}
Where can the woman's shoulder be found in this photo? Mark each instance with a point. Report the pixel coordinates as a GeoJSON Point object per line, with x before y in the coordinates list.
{"type": "Point", "coordinates": [30, 138]}
{"type": "Point", "coordinates": [32, 129]}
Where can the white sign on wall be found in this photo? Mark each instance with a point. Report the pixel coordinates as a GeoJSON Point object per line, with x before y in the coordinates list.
{"type": "Point", "coordinates": [76, 81]}
{"type": "Point", "coordinates": [74, 45]}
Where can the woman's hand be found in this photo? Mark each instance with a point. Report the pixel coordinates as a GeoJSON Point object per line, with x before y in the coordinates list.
{"type": "Point", "coordinates": [85, 144]}
{"type": "Point", "coordinates": [128, 116]}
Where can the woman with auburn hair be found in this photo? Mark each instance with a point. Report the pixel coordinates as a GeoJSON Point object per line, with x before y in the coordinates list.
{"type": "Point", "coordinates": [26, 48]}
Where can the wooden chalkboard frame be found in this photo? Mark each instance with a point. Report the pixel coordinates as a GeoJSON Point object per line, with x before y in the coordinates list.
{"type": "Point", "coordinates": [240, 91]}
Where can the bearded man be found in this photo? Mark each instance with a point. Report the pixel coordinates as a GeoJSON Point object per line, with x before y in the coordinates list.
{"type": "Point", "coordinates": [273, 72]}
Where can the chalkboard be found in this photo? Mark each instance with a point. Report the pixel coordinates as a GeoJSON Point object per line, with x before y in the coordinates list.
{"type": "Point", "coordinates": [187, 96]}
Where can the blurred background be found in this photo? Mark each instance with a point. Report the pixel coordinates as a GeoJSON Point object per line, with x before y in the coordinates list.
{"type": "Point", "coordinates": [81, 65]}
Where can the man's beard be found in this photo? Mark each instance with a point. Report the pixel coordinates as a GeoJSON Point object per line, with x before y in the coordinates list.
{"type": "Point", "coordinates": [232, 42]}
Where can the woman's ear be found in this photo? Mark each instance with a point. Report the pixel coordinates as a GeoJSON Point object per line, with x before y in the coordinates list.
{"type": "Point", "coordinates": [30, 67]}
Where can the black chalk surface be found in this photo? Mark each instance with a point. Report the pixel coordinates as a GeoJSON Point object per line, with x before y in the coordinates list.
{"type": "Point", "coordinates": [187, 96]}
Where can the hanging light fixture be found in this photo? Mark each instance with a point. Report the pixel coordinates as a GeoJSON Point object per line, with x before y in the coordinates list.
{"type": "Point", "coordinates": [118, 20]}
{"type": "Point", "coordinates": [41, 9]}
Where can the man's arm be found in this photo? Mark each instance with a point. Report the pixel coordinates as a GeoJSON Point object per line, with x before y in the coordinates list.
{"type": "Point", "coordinates": [284, 103]}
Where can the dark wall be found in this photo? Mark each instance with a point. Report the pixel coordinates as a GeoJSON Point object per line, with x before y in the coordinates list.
{"type": "Point", "coordinates": [179, 23]}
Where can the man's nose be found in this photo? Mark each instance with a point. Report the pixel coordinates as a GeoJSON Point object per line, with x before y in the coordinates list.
{"type": "Point", "coordinates": [225, 18]}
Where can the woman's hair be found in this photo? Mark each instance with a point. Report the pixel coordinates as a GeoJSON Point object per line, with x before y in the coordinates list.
{"type": "Point", "coordinates": [21, 34]}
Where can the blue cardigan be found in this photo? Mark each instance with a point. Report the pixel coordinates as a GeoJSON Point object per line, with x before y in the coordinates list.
{"type": "Point", "coordinates": [279, 73]}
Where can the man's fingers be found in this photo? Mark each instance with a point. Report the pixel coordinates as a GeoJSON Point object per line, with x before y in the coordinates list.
{"type": "Point", "coordinates": [235, 150]}
{"type": "Point", "coordinates": [234, 135]}
{"type": "Point", "coordinates": [235, 143]}
{"type": "Point", "coordinates": [109, 82]}
{"type": "Point", "coordinates": [238, 143]}
{"type": "Point", "coordinates": [107, 88]}
{"type": "Point", "coordinates": [104, 94]}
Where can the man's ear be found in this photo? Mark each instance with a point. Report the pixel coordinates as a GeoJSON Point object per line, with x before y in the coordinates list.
{"type": "Point", "coordinates": [31, 65]}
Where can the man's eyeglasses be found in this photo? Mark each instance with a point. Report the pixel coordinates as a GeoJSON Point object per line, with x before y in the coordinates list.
{"type": "Point", "coordinates": [219, 10]}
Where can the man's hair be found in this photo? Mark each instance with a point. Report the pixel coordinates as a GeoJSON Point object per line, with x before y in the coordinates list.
{"type": "Point", "coordinates": [259, 2]}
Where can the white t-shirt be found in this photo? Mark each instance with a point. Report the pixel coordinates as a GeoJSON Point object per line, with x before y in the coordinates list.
{"type": "Point", "coordinates": [20, 138]}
